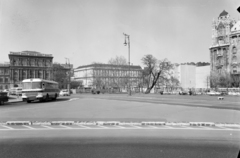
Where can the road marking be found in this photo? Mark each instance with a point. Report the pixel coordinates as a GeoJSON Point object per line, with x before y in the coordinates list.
{"type": "Point", "coordinates": [73, 99]}
{"type": "Point", "coordinates": [135, 126]}
{"type": "Point", "coordinates": [102, 126]}
{"type": "Point", "coordinates": [119, 126]}
{"type": "Point", "coordinates": [83, 126]}
{"type": "Point", "coordinates": [48, 127]}
{"type": "Point", "coordinates": [7, 127]}
{"type": "Point", "coordinates": [153, 126]}
{"type": "Point", "coordinates": [28, 127]}
{"type": "Point", "coordinates": [65, 126]}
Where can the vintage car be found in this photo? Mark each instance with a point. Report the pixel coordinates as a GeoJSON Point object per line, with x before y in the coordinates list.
{"type": "Point", "coordinates": [3, 97]}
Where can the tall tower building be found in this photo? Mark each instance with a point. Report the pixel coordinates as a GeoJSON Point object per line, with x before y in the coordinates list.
{"type": "Point", "coordinates": [225, 48]}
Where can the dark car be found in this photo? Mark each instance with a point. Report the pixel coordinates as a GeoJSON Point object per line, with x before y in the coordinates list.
{"type": "Point", "coordinates": [95, 91]}
{"type": "Point", "coordinates": [3, 97]}
{"type": "Point", "coordinates": [183, 93]}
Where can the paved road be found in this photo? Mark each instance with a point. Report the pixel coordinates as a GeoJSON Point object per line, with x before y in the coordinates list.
{"type": "Point", "coordinates": [107, 142]}
{"type": "Point", "coordinates": [125, 108]}
{"type": "Point", "coordinates": [121, 141]}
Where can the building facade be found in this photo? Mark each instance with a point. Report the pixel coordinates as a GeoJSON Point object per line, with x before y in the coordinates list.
{"type": "Point", "coordinates": [108, 75]}
{"type": "Point", "coordinates": [192, 76]}
{"type": "Point", "coordinates": [4, 76]}
{"type": "Point", "coordinates": [29, 64]}
{"type": "Point", "coordinates": [225, 48]}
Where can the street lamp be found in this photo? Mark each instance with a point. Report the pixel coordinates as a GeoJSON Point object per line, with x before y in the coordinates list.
{"type": "Point", "coordinates": [127, 38]}
{"type": "Point", "coordinates": [69, 74]}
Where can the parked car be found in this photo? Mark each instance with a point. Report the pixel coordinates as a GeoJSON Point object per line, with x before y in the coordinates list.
{"type": "Point", "coordinates": [165, 92]}
{"type": "Point", "coordinates": [3, 98]}
{"type": "Point", "coordinates": [18, 90]}
{"type": "Point", "coordinates": [64, 92]}
{"type": "Point", "coordinates": [212, 93]}
{"type": "Point", "coordinates": [95, 91]}
{"type": "Point", "coordinates": [183, 93]}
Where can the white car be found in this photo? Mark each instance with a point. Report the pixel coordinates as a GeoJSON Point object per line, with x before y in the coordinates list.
{"type": "Point", "coordinates": [214, 93]}
{"type": "Point", "coordinates": [64, 92]}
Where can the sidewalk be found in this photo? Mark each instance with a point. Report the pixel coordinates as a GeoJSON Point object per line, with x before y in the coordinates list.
{"type": "Point", "coordinates": [13, 99]}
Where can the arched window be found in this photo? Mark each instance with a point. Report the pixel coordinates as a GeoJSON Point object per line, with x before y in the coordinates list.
{"type": "Point", "coordinates": [234, 69]}
{"type": "Point", "coordinates": [234, 50]}
{"type": "Point", "coordinates": [234, 59]}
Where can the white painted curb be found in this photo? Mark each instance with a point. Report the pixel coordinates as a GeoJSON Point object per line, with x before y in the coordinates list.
{"type": "Point", "coordinates": [18, 122]}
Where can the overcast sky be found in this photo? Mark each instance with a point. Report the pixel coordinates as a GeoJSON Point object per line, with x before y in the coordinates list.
{"type": "Point", "coordinates": [87, 31]}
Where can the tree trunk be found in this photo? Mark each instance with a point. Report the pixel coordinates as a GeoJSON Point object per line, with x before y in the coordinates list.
{"type": "Point", "coordinates": [153, 83]}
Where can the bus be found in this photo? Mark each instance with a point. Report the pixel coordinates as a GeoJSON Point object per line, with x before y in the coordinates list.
{"type": "Point", "coordinates": [39, 89]}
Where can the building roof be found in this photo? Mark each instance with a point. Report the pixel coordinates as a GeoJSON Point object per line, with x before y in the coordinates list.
{"type": "Point", "coordinates": [223, 13]}
{"type": "Point", "coordinates": [110, 65]}
{"type": "Point", "coordinates": [236, 27]}
{"type": "Point", "coordinates": [30, 53]}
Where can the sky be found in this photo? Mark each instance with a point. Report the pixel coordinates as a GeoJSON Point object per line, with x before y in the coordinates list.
{"type": "Point", "coordinates": [87, 31]}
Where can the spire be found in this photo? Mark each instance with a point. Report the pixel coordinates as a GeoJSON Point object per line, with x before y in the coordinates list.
{"type": "Point", "coordinates": [224, 13]}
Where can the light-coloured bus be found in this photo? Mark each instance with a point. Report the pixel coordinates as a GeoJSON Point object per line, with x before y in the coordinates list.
{"type": "Point", "coordinates": [39, 89]}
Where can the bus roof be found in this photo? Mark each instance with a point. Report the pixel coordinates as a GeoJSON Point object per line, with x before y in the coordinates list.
{"type": "Point", "coordinates": [38, 80]}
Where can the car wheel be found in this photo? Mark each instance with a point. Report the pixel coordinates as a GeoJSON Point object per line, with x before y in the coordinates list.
{"type": "Point", "coordinates": [29, 101]}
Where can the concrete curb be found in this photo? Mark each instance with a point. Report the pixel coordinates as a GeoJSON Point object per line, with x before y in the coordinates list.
{"type": "Point", "coordinates": [114, 123]}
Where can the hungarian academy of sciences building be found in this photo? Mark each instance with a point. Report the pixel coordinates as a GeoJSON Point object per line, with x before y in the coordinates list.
{"type": "Point", "coordinates": [225, 48]}
{"type": "Point", "coordinates": [23, 65]}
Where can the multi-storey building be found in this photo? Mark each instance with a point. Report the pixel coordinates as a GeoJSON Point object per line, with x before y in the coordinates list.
{"type": "Point", "coordinates": [108, 75]}
{"type": "Point", "coordinates": [192, 76]}
{"type": "Point", "coordinates": [4, 76]}
{"type": "Point", "coordinates": [225, 48]}
{"type": "Point", "coordinates": [29, 64]}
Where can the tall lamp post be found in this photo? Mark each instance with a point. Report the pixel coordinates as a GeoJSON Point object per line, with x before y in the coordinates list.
{"type": "Point", "coordinates": [69, 74]}
{"type": "Point", "coordinates": [127, 38]}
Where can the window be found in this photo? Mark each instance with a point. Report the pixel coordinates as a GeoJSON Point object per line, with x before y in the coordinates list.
{"type": "Point", "coordinates": [234, 59]}
{"type": "Point", "coordinates": [6, 71]}
{"type": "Point", "coordinates": [234, 69]}
{"type": "Point", "coordinates": [234, 50]}
{"type": "Point", "coordinates": [31, 85]}
{"type": "Point", "coordinates": [6, 80]}
{"type": "Point", "coordinates": [1, 80]}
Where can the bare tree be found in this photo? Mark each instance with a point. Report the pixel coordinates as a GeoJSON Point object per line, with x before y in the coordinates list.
{"type": "Point", "coordinates": [155, 70]}
{"type": "Point", "coordinates": [118, 60]}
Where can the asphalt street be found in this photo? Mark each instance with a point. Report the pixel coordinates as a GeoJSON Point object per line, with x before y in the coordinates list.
{"type": "Point", "coordinates": [173, 108]}
{"type": "Point", "coordinates": [119, 143]}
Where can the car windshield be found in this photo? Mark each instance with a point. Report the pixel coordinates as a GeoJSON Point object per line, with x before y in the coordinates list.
{"type": "Point", "coordinates": [139, 78]}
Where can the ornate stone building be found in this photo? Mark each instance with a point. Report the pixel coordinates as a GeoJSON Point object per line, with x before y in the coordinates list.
{"type": "Point", "coordinates": [225, 48]}
{"type": "Point", "coordinates": [4, 76]}
{"type": "Point", "coordinates": [29, 64]}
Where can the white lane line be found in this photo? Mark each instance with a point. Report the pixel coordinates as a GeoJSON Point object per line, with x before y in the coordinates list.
{"type": "Point", "coordinates": [65, 126]}
{"type": "Point", "coordinates": [168, 127]}
{"type": "Point", "coordinates": [135, 126]}
{"type": "Point", "coordinates": [102, 126]}
{"type": "Point", "coordinates": [120, 126]}
{"type": "Point", "coordinates": [153, 126]}
{"type": "Point", "coordinates": [47, 127]}
{"type": "Point", "coordinates": [83, 126]}
{"type": "Point", "coordinates": [73, 99]}
{"type": "Point", "coordinates": [7, 127]}
{"type": "Point", "coordinates": [28, 127]}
